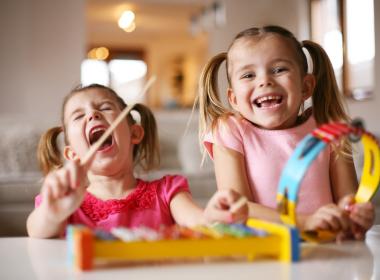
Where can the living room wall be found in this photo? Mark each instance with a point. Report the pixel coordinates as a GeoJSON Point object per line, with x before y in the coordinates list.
{"type": "Point", "coordinates": [368, 110]}
{"type": "Point", "coordinates": [42, 47]}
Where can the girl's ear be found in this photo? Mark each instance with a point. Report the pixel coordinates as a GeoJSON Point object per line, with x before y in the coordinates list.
{"type": "Point", "coordinates": [308, 86]}
{"type": "Point", "coordinates": [231, 98]}
{"type": "Point", "coordinates": [69, 153]}
{"type": "Point", "coordinates": [137, 133]}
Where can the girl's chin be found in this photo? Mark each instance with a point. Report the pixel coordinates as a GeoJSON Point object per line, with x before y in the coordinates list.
{"type": "Point", "coordinates": [271, 125]}
{"type": "Point", "coordinates": [105, 163]}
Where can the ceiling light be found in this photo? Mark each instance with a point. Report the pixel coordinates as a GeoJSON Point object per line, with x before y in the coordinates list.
{"type": "Point", "coordinates": [98, 53]}
{"type": "Point", "coordinates": [126, 20]}
{"type": "Point", "coordinates": [131, 28]}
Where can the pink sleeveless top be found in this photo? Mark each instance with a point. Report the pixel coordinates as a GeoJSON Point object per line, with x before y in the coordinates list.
{"type": "Point", "coordinates": [266, 153]}
{"type": "Point", "coordinates": [148, 205]}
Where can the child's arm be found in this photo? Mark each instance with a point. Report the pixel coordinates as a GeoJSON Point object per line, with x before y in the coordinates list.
{"type": "Point", "coordinates": [343, 177]}
{"type": "Point", "coordinates": [218, 209]}
{"type": "Point", "coordinates": [62, 192]}
{"type": "Point", "coordinates": [230, 172]}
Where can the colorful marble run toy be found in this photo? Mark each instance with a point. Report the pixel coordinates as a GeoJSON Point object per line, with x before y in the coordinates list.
{"type": "Point", "coordinates": [306, 152]}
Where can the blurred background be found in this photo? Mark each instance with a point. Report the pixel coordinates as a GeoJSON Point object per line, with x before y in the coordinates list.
{"type": "Point", "coordinates": [50, 46]}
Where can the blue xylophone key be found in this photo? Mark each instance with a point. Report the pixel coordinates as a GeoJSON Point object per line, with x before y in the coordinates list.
{"type": "Point", "coordinates": [104, 235]}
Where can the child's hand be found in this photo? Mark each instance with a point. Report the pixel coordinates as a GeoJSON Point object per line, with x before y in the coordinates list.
{"type": "Point", "coordinates": [63, 190]}
{"type": "Point", "coordinates": [329, 217]}
{"type": "Point", "coordinates": [221, 207]}
{"type": "Point", "coordinates": [362, 216]}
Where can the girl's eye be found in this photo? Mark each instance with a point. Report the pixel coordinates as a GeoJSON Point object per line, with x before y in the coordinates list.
{"type": "Point", "coordinates": [248, 76]}
{"type": "Point", "coordinates": [278, 70]}
{"type": "Point", "coordinates": [105, 108]}
{"type": "Point", "coordinates": [78, 117]}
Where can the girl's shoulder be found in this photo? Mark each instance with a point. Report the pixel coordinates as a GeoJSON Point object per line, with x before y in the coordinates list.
{"type": "Point", "coordinates": [169, 179]}
{"type": "Point", "coordinates": [231, 124]}
{"type": "Point", "coordinates": [232, 120]}
{"type": "Point", "coordinates": [166, 186]}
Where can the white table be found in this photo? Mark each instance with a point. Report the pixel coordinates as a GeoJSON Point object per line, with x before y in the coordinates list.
{"type": "Point", "coordinates": [26, 258]}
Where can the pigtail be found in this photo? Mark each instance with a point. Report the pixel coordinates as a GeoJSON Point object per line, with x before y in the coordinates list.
{"type": "Point", "coordinates": [327, 100]}
{"type": "Point", "coordinates": [48, 154]}
{"type": "Point", "coordinates": [210, 106]}
{"type": "Point", "coordinates": [147, 153]}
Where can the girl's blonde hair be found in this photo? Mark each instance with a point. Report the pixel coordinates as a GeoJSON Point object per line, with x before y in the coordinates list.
{"type": "Point", "coordinates": [326, 99]}
{"type": "Point", "coordinates": [146, 153]}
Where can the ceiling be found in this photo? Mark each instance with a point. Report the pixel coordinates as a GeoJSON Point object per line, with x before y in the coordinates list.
{"type": "Point", "coordinates": [154, 18]}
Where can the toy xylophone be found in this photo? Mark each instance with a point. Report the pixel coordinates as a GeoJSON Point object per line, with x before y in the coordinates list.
{"type": "Point", "coordinates": [256, 239]}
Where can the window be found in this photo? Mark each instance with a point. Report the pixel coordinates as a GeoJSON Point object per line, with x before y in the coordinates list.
{"type": "Point", "coordinates": [124, 74]}
{"type": "Point", "coordinates": [345, 28]}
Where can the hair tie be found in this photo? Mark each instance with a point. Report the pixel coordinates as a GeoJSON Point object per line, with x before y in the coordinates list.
{"type": "Point", "coordinates": [309, 60]}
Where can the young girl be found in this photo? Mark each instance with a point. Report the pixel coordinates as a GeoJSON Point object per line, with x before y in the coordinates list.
{"type": "Point", "coordinates": [105, 193]}
{"type": "Point", "coordinates": [268, 84]}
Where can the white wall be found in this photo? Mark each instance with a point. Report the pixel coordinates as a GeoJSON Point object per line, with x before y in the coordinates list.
{"type": "Point", "coordinates": [242, 14]}
{"type": "Point", "coordinates": [369, 110]}
{"type": "Point", "coordinates": [42, 46]}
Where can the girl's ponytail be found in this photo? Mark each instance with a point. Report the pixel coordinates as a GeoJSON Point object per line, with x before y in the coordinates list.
{"type": "Point", "coordinates": [327, 100]}
{"type": "Point", "coordinates": [48, 154]}
{"type": "Point", "coordinates": [147, 153]}
{"type": "Point", "coordinates": [210, 106]}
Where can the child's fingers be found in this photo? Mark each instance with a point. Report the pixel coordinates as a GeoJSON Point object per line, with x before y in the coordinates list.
{"type": "Point", "coordinates": [357, 232]}
{"type": "Point", "coordinates": [225, 198]}
{"type": "Point", "coordinates": [346, 201]}
{"type": "Point", "coordinates": [46, 193]}
{"type": "Point", "coordinates": [75, 174]}
{"type": "Point", "coordinates": [363, 208]}
{"type": "Point", "coordinates": [332, 221]}
{"type": "Point", "coordinates": [320, 224]}
{"type": "Point", "coordinates": [220, 215]}
{"type": "Point", "coordinates": [220, 204]}
{"type": "Point", "coordinates": [63, 177]}
{"type": "Point", "coordinates": [59, 182]}
{"type": "Point", "coordinates": [363, 214]}
{"type": "Point", "coordinates": [334, 218]}
{"type": "Point", "coordinates": [363, 221]}
{"type": "Point", "coordinates": [240, 216]}
{"type": "Point", "coordinates": [51, 185]}
{"type": "Point", "coordinates": [239, 210]}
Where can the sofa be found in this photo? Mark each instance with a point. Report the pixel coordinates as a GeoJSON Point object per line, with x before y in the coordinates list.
{"type": "Point", "coordinates": [20, 178]}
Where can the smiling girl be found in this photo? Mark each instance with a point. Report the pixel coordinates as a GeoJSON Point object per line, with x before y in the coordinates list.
{"type": "Point", "coordinates": [250, 142]}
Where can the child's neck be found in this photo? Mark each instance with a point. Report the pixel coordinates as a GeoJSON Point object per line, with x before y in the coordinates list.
{"type": "Point", "coordinates": [111, 187]}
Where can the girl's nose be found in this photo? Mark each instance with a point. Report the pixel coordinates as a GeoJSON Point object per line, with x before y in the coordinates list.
{"type": "Point", "coordinates": [94, 115]}
{"type": "Point", "coordinates": [265, 81]}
